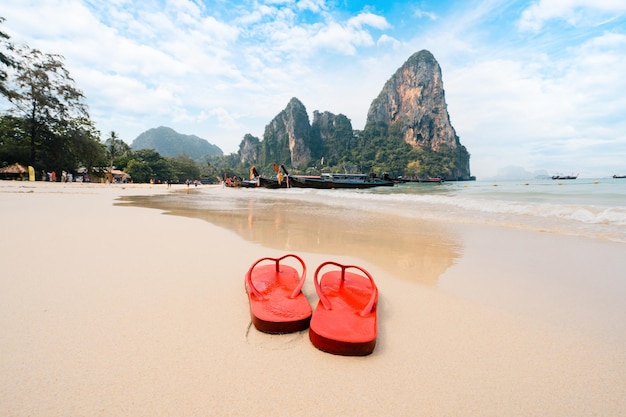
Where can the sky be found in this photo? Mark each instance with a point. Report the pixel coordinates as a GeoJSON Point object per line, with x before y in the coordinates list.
{"type": "Point", "coordinates": [532, 87]}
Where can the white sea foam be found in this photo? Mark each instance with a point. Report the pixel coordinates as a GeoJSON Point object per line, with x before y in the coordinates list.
{"type": "Point", "coordinates": [592, 209]}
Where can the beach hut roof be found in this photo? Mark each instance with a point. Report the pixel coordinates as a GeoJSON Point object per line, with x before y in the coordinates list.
{"type": "Point", "coordinates": [13, 169]}
{"type": "Point", "coordinates": [119, 173]}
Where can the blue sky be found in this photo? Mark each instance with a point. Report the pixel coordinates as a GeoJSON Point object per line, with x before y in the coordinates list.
{"type": "Point", "coordinates": [531, 86]}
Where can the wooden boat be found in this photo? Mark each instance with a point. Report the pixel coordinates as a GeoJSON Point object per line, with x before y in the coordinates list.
{"type": "Point", "coordinates": [281, 180]}
{"type": "Point", "coordinates": [239, 182]}
{"type": "Point", "coordinates": [333, 181]}
{"type": "Point", "coordinates": [247, 184]}
{"type": "Point", "coordinates": [267, 182]}
{"type": "Point", "coordinates": [564, 177]}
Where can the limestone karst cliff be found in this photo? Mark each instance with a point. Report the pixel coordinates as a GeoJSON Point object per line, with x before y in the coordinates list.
{"type": "Point", "coordinates": [414, 98]}
{"type": "Point", "coordinates": [413, 103]}
{"type": "Point", "coordinates": [331, 136]}
{"type": "Point", "coordinates": [287, 136]}
{"type": "Point", "coordinates": [249, 150]}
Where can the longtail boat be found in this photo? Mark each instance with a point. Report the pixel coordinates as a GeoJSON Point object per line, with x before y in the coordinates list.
{"type": "Point", "coordinates": [332, 181]}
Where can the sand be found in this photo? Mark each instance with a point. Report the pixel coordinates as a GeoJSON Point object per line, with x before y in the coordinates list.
{"type": "Point", "coordinates": [113, 310]}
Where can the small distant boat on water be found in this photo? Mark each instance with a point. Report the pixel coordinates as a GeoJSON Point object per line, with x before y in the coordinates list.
{"type": "Point", "coordinates": [402, 180]}
{"type": "Point", "coordinates": [564, 177]}
{"type": "Point", "coordinates": [619, 176]}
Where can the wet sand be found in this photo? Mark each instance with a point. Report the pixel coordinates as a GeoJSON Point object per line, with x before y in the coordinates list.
{"type": "Point", "coordinates": [119, 310]}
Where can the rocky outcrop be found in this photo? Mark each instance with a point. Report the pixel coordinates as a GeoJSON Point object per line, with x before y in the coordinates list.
{"type": "Point", "coordinates": [249, 149]}
{"type": "Point", "coordinates": [287, 136]}
{"type": "Point", "coordinates": [331, 136]}
{"type": "Point", "coordinates": [413, 103]}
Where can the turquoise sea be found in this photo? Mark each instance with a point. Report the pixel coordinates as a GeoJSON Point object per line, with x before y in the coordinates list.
{"type": "Point", "coordinates": [593, 208]}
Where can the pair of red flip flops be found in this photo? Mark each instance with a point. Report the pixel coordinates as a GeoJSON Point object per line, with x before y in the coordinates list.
{"type": "Point", "coordinates": [344, 321]}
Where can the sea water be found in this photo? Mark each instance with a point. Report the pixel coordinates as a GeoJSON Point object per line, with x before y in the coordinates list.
{"type": "Point", "coordinates": [590, 208]}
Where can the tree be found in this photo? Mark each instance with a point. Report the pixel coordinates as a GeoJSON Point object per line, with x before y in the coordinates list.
{"type": "Point", "coordinates": [413, 169]}
{"type": "Point", "coordinates": [13, 147]}
{"type": "Point", "coordinates": [184, 168]}
{"type": "Point", "coordinates": [7, 61]}
{"type": "Point", "coordinates": [139, 170]}
{"type": "Point", "coordinates": [146, 164]}
{"type": "Point", "coordinates": [115, 148]}
{"type": "Point", "coordinates": [44, 94]}
{"type": "Point", "coordinates": [83, 146]}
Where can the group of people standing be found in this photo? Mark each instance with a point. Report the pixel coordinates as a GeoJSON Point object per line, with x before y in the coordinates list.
{"type": "Point", "coordinates": [52, 176]}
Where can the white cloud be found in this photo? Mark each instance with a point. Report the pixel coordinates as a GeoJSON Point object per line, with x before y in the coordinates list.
{"type": "Point", "coordinates": [388, 42]}
{"type": "Point", "coordinates": [419, 13]}
{"type": "Point", "coordinates": [574, 12]}
{"type": "Point", "coordinates": [368, 19]}
{"type": "Point", "coordinates": [314, 6]}
{"type": "Point", "coordinates": [541, 100]}
{"type": "Point", "coordinates": [225, 119]}
{"type": "Point", "coordinates": [542, 118]}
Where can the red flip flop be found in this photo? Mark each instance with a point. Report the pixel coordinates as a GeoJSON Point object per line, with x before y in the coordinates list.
{"type": "Point", "coordinates": [277, 304]}
{"type": "Point", "coordinates": [344, 321]}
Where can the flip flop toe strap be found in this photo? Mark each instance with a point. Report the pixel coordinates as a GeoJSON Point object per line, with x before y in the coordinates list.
{"type": "Point", "coordinates": [257, 293]}
{"type": "Point", "coordinates": [326, 302]}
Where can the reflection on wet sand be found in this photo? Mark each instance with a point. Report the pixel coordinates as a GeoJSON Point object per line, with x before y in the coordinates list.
{"type": "Point", "coordinates": [410, 249]}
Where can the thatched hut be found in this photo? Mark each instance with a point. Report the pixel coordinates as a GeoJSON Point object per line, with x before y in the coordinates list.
{"type": "Point", "coordinates": [120, 176]}
{"type": "Point", "coordinates": [14, 172]}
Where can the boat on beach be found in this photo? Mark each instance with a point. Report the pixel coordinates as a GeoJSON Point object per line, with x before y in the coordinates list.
{"type": "Point", "coordinates": [282, 179]}
{"type": "Point", "coordinates": [324, 181]}
{"type": "Point", "coordinates": [239, 182]}
{"type": "Point", "coordinates": [268, 182]}
{"type": "Point", "coordinates": [333, 181]}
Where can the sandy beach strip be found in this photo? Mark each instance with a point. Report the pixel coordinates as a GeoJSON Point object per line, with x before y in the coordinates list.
{"type": "Point", "coordinates": [111, 310]}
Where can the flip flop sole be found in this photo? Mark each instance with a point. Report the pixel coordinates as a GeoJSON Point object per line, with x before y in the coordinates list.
{"type": "Point", "coordinates": [337, 347]}
{"type": "Point", "coordinates": [274, 327]}
{"type": "Point", "coordinates": [277, 311]}
{"type": "Point", "coordinates": [339, 324]}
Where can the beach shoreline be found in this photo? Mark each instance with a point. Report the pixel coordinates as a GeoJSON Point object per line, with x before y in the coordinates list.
{"type": "Point", "coordinates": [111, 309]}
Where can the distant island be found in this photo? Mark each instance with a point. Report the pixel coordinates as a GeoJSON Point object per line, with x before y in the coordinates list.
{"type": "Point", "coordinates": [169, 143]}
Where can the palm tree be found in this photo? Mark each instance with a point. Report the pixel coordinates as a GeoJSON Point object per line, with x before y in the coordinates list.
{"type": "Point", "coordinates": [116, 147]}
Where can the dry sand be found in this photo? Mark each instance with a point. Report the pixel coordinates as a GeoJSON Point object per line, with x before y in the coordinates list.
{"type": "Point", "coordinates": [108, 310]}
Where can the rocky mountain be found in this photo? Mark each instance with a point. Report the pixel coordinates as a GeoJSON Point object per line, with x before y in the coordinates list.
{"type": "Point", "coordinates": [249, 150]}
{"type": "Point", "coordinates": [331, 136]}
{"type": "Point", "coordinates": [169, 143]}
{"type": "Point", "coordinates": [287, 136]}
{"type": "Point", "coordinates": [408, 129]}
{"type": "Point", "coordinates": [291, 140]}
{"type": "Point", "coordinates": [413, 103]}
